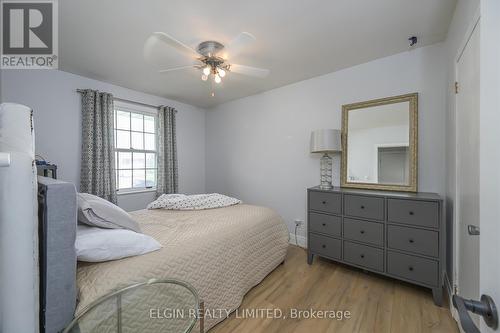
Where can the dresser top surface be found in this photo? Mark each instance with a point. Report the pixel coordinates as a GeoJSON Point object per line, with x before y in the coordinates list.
{"type": "Point", "coordinates": [389, 194]}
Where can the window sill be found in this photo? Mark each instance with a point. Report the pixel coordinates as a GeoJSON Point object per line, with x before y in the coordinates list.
{"type": "Point", "coordinates": [136, 191]}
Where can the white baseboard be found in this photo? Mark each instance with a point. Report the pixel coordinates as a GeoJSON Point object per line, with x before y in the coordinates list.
{"type": "Point", "coordinates": [453, 311]}
{"type": "Point", "coordinates": [301, 240]}
{"type": "Point", "coordinates": [447, 285]}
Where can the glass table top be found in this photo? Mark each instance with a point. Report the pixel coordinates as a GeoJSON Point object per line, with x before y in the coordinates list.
{"type": "Point", "coordinates": [152, 306]}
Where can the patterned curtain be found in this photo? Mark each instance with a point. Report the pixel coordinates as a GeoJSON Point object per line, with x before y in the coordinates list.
{"type": "Point", "coordinates": [98, 159]}
{"type": "Point", "coordinates": [168, 178]}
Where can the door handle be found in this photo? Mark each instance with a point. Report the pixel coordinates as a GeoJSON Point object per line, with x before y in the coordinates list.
{"type": "Point", "coordinates": [485, 308]}
{"type": "Point", "coordinates": [473, 230]}
{"type": "Point", "coordinates": [4, 159]}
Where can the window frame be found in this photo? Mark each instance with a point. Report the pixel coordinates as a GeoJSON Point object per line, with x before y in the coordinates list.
{"type": "Point", "coordinates": [131, 109]}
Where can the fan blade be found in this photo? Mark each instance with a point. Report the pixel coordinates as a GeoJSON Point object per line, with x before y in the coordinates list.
{"type": "Point", "coordinates": [172, 42]}
{"type": "Point", "coordinates": [176, 69]}
{"type": "Point", "coordinates": [238, 44]}
{"type": "Point", "coordinates": [250, 71]}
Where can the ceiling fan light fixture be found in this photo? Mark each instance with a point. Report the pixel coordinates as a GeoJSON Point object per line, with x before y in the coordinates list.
{"type": "Point", "coordinates": [209, 56]}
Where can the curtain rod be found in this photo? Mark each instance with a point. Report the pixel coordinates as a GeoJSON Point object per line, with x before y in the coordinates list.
{"type": "Point", "coordinates": [126, 100]}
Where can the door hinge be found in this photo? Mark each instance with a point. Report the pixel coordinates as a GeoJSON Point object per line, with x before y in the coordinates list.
{"type": "Point", "coordinates": [456, 87]}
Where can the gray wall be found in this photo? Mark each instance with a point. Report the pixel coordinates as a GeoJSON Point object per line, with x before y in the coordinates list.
{"type": "Point", "coordinates": [258, 147]}
{"type": "Point", "coordinates": [57, 116]}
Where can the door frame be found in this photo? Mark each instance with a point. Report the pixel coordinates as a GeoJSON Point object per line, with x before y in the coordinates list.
{"type": "Point", "coordinates": [385, 145]}
{"type": "Point", "coordinates": [456, 203]}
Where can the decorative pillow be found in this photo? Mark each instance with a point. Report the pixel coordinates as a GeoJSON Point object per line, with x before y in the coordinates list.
{"type": "Point", "coordinates": [97, 212]}
{"type": "Point", "coordinates": [96, 244]}
{"type": "Point", "coordinates": [193, 201]}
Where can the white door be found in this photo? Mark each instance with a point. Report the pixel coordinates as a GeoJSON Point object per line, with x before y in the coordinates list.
{"type": "Point", "coordinates": [490, 153]}
{"type": "Point", "coordinates": [478, 165]}
{"type": "Point", "coordinates": [467, 163]}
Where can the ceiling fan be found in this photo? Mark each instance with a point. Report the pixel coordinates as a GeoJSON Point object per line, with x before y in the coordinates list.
{"type": "Point", "coordinates": [210, 57]}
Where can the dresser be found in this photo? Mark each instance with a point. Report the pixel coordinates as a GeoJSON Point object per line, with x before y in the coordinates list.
{"type": "Point", "coordinates": [398, 234]}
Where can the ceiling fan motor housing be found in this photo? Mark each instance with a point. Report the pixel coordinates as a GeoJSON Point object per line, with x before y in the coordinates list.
{"type": "Point", "coordinates": [209, 48]}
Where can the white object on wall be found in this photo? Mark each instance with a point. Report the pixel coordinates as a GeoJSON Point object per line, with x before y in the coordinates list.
{"type": "Point", "coordinates": [18, 222]}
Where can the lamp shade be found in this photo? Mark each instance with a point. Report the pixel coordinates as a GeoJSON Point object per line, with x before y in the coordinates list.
{"type": "Point", "coordinates": [325, 141]}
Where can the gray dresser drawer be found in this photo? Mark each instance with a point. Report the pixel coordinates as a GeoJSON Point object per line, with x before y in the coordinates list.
{"type": "Point", "coordinates": [363, 231]}
{"type": "Point", "coordinates": [413, 240]}
{"type": "Point", "coordinates": [327, 224]}
{"type": "Point", "coordinates": [395, 234]}
{"type": "Point", "coordinates": [363, 255]}
{"type": "Point", "coordinates": [421, 213]}
{"type": "Point", "coordinates": [413, 268]}
{"type": "Point", "coordinates": [325, 246]}
{"type": "Point", "coordinates": [325, 202]}
{"type": "Point", "coordinates": [364, 206]}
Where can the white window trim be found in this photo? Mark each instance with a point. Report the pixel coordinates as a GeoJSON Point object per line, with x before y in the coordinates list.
{"type": "Point", "coordinates": [135, 191]}
{"type": "Point", "coordinates": [133, 108]}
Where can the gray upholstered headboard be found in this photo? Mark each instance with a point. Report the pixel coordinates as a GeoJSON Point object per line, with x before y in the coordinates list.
{"type": "Point", "coordinates": [57, 214]}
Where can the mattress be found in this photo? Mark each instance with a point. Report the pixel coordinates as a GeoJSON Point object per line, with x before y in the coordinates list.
{"type": "Point", "coordinates": [221, 252]}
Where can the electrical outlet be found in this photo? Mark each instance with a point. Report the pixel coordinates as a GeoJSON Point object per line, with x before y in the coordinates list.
{"type": "Point", "coordinates": [299, 223]}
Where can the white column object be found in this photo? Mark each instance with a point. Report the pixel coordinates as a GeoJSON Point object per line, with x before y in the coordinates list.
{"type": "Point", "coordinates": [18, 221]}
{"type": "Point", "coordinates": [326, 141]}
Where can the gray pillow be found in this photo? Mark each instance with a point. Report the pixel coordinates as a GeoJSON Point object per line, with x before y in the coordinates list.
{"type": "Point", "coordinates": [97, 212]}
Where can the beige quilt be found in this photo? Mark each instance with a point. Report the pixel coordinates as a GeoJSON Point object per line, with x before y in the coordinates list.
{"type": "Point", "coordinates": [222, 252]}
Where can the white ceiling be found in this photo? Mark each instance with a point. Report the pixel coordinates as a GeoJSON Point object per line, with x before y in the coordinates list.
{"type": "Point", "coordinates": [296, 39]}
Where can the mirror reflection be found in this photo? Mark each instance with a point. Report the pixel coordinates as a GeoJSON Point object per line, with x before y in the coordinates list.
{"type": "Point", "coordinates": [378, 144]}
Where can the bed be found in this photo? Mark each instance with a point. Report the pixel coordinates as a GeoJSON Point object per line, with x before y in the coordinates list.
{"type": "Point", "coordinates": [222, 252]}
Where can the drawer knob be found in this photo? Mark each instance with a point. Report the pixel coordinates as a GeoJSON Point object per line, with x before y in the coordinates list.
{"type": "Point", "coordinates": [410, 268]}
{"type": "Point", "coordinates": [411, 213]}
{"type": "Point", "coordinates": [362, 256]}
{"type": "Point", "coordinates": [362, 207]}
{"type": "Point", "coordinates": [362, 231]}
{"type": "Point", "coordinates": [411, 240]}
{"type": "Point", "coordinates": [323, 224]}
{"type": "Point", "coordinates": [323, 202]}
{"type": "Point", "coordinates": [323, 246]}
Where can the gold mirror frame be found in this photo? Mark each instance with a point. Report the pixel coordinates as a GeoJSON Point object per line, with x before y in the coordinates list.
{"type": "Point", "coordinates": [413, 142]}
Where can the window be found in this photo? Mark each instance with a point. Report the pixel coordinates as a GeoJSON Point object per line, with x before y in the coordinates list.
{"type": "Point", "coordinates": [135, 150]}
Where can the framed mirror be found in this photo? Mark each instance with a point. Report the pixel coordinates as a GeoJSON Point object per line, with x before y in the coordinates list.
{"type": "Point", "coordinates": [380, 144]}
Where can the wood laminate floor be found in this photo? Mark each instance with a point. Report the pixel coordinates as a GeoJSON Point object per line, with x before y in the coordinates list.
{"type": "Point", "coordinates": [376, 304]}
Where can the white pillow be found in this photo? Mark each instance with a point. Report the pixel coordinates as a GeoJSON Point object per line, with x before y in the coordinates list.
{"type": "Point", "coordinates": [97, 244]}
{"type": "Point", "coordinates": [97, 212]}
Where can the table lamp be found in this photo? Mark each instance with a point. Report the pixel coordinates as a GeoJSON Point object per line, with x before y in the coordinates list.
{"type": "Point", "coordinates": [326, 141]}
